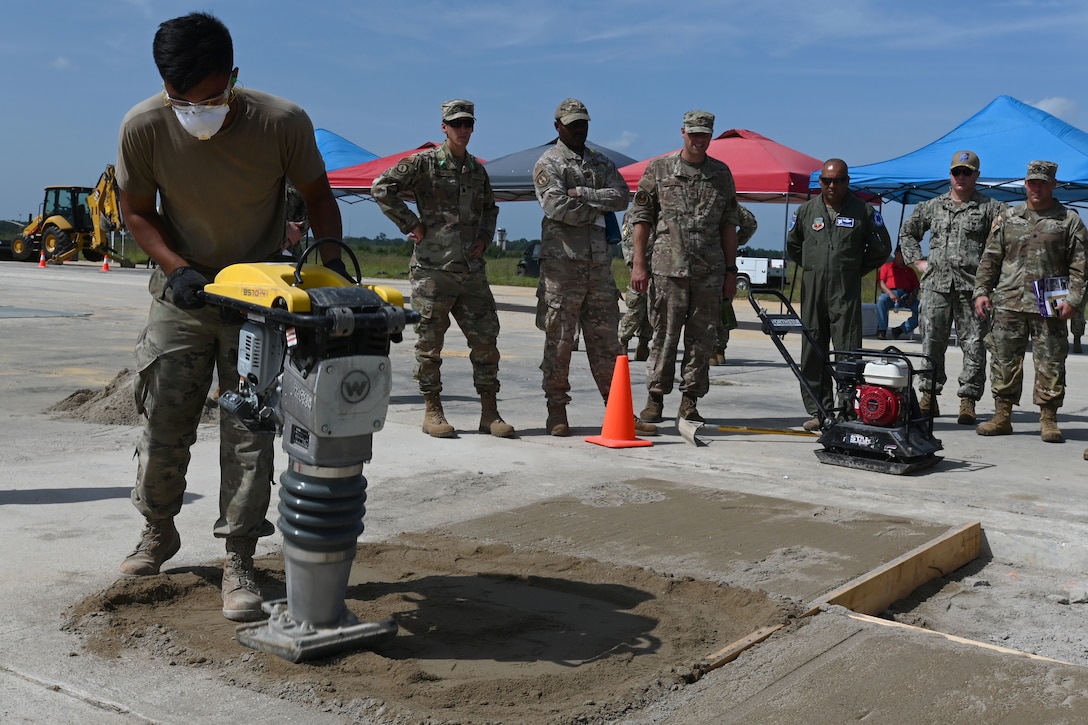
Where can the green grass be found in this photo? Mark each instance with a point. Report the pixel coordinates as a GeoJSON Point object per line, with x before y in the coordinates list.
{"type": "Point", "coordinates": [378, 263]}
{"type": "Point", "coordinates": [503, 271]}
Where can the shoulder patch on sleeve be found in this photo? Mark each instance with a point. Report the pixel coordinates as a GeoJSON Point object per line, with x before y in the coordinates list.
{"type": "Point", "coordinates": [793, 222]}
{"type": "Point", "coordinates": [642, 197]}
{"type": "Point", "coordinates": [877, 219]}
{"type": "Point", "coordinates": [542, 178]}
{"type": "Point", "coordinates": [403, 166]}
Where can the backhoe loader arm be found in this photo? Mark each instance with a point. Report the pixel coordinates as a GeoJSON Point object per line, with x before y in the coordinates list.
{"type": "Point", "coordinates": [105, 209]}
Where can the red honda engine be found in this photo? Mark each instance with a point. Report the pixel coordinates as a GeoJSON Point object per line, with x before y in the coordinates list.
{"type": "Point", "coordinates": [876, 405]}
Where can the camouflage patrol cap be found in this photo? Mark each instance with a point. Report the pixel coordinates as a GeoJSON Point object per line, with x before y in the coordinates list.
{"type": "Point", "coordinates": [458, 108]}
{"type": "Point", "coordinates": [571, 110]}
{"type": "Point", "coordinates": [1042, 170]}
{"type": "Point", "coordinates": [965, 158]}
{"type": "Point", "coordinates": [699, 122]}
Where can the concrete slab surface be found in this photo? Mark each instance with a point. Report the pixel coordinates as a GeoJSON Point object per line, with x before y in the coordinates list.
{"type": "Point", "coordinates": [66, 523]}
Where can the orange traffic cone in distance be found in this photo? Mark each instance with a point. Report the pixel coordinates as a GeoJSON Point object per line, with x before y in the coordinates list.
{"type": "Point", "coordinates": [41, 260]}
{"type": "Point", "coordinates": [618, 430]}
{"type": "Point", "coordinates": [105, 263]}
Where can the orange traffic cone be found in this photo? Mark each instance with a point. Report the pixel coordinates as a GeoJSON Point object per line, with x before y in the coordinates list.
{"type": "Point", "coordinates": [105, 263]}
{"type": "Point", "coordinates": [41, 260]}
{"type": "Point", "coordinates": [618, 430]}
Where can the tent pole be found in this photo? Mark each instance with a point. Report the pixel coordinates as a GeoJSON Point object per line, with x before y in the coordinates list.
{"type": "Point", "coordinates": [785, 255]}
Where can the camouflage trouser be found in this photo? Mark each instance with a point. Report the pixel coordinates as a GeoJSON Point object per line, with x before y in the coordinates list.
{"type": "Point", "coordinates": [694, 305]}
{"type": "Point", "coordinates": [1008, 342]}
{"type": "Point", "coordinates": [636, 320]}
{"type": "Point", "coordinates": [573, 293]}
{"type": "Point", "coordinates": [436, 295]}
{"type": "Point", "coordinates": [939, 310]}
{"type": "Point", "coordinates": [175, 358]}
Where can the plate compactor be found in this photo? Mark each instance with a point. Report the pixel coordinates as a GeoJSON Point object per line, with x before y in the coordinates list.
{"type": "Point", "coordinates": [313, 363]}
{"type": "Point", "coordinates": [877, 424]}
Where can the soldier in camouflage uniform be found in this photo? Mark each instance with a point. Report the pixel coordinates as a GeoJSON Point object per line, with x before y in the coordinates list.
{"type": "Point", "coordinates": [958, 222]}
{"type": "Point", "coordinates": [456, 222]}
{"type": "Point", "coordinates": [576, 186]}
{"type": "Point", "coordinates": [201, 228]}
{"type": "Point", "coordinates": [836, 239]}
{"type": "Point", "coordinates": [636, 319]}
{"type": "Point", "coordinates": [690, 201]}
{"type": "Point", "coordinates": [748, 225]}
{"type": "Point", "coordinates": [1029, 242]}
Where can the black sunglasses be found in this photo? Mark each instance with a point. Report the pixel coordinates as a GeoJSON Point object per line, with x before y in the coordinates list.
{"type": "Point", "coordinates": [829, 180]}
{"type": "Point", "coordinates": [461, 123]}
{"type": "Point", "coordinates": [962, 171]}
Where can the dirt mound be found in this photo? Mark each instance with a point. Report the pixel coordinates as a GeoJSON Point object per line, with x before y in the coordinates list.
{"type": "Point", "coordinates": [114, 404]}
{"type": "Point", "coordinates": [488, 633]}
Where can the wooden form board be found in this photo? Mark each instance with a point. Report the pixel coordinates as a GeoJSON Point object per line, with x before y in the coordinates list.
{"type": "Point", "coordinates": [954, 638]}
{"type": "Point", "coordinates": [875, 591]}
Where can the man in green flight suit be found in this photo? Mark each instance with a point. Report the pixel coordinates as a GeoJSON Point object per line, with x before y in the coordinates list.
{"type": "Point", "coordinates": [836, 239]}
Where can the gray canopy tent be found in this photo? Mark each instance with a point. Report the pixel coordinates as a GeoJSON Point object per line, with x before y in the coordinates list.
{"type": "Point", "coordinates": [512, 175]}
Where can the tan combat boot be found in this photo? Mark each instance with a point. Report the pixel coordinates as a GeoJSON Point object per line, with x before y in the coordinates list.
{"type": "Point", "coordinates": [1001, 423]}
{"type": "Point", "coordinates": [490, 420]}
{"type": "Point", "coordinates": [434, 420]}
{"type": "Point", "coordinates": [241, 595]}
{"type": "Point", "coordinates": [158, 543]}
{"type": "Point", "coordinates": [646, 429]}
{"type": "Point", "coordinates": [1048, 424]}
{"type": "Point", "coordinates": [929, 402]}
{"type": "Point", "coordinates": [688, 410]}
{"type": "Point", "coordinates": [655, 404]}
{"type": "Point", "coordinates": [557, 420]}
{"type": "Point", "coordinates": [967, 412]}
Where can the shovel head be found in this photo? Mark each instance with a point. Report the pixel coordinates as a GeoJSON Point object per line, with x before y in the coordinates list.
{"type": "Point", "coordinates": [689, 430]}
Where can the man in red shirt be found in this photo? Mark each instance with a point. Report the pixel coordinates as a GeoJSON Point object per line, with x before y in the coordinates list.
{"type": "Point", "coordinates": [899, 288]}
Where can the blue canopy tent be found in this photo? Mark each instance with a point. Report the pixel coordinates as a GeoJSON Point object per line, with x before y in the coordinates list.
{"type": "Point", "coordinates": [1006, 135]}
{"type": "Point", "coordinates": [338, 152]}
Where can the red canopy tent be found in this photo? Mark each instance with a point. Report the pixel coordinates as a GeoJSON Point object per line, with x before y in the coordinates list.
{"type": "Point", "coordinates": [357, 180]}
{"type": "Point", "coordinates": [763, 169]}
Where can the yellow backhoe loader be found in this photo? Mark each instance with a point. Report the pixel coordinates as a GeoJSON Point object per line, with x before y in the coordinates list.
{"type": "Point", "coordinates": [75, 220]}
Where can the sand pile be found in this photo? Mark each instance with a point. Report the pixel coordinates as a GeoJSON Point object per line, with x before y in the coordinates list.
{"type": "Point", "coordinates": [114, 404]}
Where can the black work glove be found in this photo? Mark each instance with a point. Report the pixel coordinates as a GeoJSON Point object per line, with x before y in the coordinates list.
{"type": "Point", "coordinates": [337, 265]}
{"type": "Point", "coordinates": [182, 286]}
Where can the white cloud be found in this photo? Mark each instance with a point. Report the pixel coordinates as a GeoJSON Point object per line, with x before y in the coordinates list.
{"type": "Point", "coordinates": [625, 141]}
{"type": "Point", "coordinates": [60, 64]}
{"type": "Point", "coordinates": [1063, 108]}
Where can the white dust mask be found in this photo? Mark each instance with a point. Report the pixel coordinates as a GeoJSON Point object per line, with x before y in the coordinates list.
{"type": "Point", "coordinates": [202, 122]}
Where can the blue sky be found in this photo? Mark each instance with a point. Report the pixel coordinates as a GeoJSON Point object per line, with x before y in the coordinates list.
{"type": "Point", "coordinates": [863, 80]}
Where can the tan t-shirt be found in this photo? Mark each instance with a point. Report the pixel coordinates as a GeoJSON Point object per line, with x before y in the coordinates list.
{"type": "Point", "coordinates": [223, 199]}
